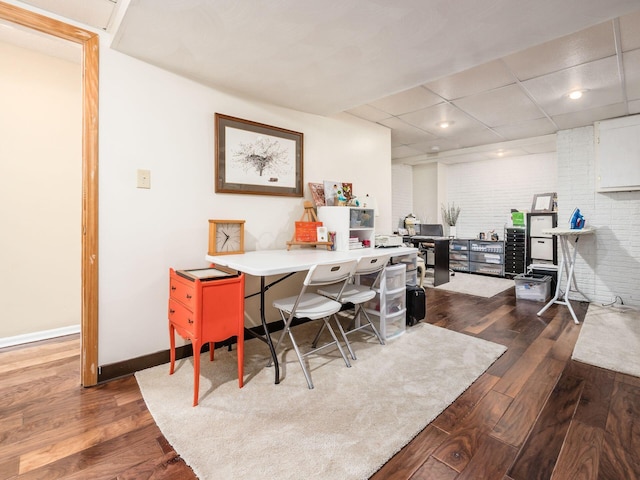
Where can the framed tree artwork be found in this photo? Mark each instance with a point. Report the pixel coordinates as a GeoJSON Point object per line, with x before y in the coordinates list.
{"type": "Point", "coordinates": [258, 159]}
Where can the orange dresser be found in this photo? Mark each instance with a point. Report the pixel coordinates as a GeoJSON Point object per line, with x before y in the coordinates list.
{"type": "Point", "coordinates": [206, 306]}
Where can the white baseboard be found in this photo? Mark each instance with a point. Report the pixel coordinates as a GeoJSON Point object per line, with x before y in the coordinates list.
{"type": "Point", "coordinates": [35, 336]}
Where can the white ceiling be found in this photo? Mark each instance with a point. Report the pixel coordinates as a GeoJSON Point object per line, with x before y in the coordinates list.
{"type": "Point", "coordinates": [499, 69]}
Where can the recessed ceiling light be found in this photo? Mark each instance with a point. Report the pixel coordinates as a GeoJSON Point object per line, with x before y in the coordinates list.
{"type": "Point", "coordinates": [435, 148]}
{"type": "Point", "coordinates": [576, 94]}
{"type": "Point", "coordinates": [445, 124]}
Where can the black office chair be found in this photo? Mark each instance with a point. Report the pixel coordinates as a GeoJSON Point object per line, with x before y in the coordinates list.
{"type": "Point", "coordinates": [431, 230]}
{"type": "Point", "coordinates": [426, 248]}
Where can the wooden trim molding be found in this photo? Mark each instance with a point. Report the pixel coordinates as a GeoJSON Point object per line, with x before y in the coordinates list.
{"type": "Point", "coordinates": [90, 63]}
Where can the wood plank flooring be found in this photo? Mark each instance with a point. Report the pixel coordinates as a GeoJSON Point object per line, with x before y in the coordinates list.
{"type": "Point", "coordinates": [535, 413]}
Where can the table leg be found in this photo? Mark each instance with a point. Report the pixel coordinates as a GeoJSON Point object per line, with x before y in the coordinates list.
{"type": "Point", "coordinates": [267, 335]}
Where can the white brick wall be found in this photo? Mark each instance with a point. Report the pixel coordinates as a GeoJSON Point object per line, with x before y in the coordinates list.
{"type": "Point", "coordinates": [608, 262]}
{"type": "Point", "coordinates": [486, 191]}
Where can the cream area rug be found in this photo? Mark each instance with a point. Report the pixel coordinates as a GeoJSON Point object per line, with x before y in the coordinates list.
{"type": "Point", "coordinates": [478, 285]}
{"type": "Point", "coordinates": [347, 427]}
{"type": "Point", "coordinates": [610, 338]}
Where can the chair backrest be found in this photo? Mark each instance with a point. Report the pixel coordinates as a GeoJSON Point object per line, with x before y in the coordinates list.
{"type": "Point", "coordinates": [431, 230]}
{"type": "Point", "coordinates": [372, 264]}
{"type": "Point", "coordinates": [328, 273]}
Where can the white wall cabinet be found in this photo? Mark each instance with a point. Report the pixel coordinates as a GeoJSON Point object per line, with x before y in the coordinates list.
{"type": "Point", "coordinates": [353, 226]}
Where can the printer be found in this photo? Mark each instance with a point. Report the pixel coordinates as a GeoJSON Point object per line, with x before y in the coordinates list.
{"type": "Point", "coordinates": [385, 241]}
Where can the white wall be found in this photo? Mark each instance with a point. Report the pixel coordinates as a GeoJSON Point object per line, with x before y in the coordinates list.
{"type": "Point", "coordinates": [40, 192]}
{"type": "Point", "coordinates": [150, 119]}
{"type": "Point", "coordinates": [402, 187]}
{"type": "Point", "coordinates": [425, 193]}
{"type": "Point", "coordinates": [608, 262]}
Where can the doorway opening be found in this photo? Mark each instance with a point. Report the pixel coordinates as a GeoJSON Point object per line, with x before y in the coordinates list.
{"type": "Point", "coordinates": [89, 223]}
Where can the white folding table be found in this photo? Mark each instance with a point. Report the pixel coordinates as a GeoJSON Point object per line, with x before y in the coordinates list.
{"type": "Point", "coordinates": [566, 267]}
{"type": "Point", "coordinates": [264, 263]}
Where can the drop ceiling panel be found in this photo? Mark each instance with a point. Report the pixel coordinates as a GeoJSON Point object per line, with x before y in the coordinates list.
{"type": "Point", "coordinates": [428, 118]}
{"type": "Point", "coordinates": [587, 117]}
{"type": "Point", "coordinates": [403, 133]}
{"type": "Point", "coordinates": [600, 78]}
{"type": "Point", "coordinates": [478, 137]}
{"type": "Point", "coordinates": [475, 80]}
{"type": "Point", "coordinates": [501, 106]}
{"type": "Point", "coordinates": [367, 112]}
{"type": "Point", "coordinates": [531, 128]}
{"type": "Point", "coordinates": [407, 101]}
{"type": "Point", "coordinates": [630, 31]}
{"type": "Point", "coordinates": [581, 47]}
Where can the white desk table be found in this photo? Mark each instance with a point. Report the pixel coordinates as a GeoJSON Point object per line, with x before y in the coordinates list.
{"type": "Point", "coordinates": [567, 265]}
{"type": "Point", "coordinates": [264, 263]}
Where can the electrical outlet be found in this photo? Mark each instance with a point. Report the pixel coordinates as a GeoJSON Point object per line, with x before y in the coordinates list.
{"type": "Point", "coordinates": [144, 178]}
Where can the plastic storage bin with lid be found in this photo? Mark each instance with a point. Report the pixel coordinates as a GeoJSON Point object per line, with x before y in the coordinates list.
{"type": "Point", "coordinates": [533, 287]}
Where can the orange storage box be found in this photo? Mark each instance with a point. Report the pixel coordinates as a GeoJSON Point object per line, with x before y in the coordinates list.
{"type": "Point", "coordinates": [307, 231]}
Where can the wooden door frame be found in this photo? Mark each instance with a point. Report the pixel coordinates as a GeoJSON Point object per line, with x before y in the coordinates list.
{"type": "Point", "coordinates": [90, 63]}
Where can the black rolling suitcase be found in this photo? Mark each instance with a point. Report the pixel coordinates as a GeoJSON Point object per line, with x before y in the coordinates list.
{"type": "Point", "coordinates": [416, 304]}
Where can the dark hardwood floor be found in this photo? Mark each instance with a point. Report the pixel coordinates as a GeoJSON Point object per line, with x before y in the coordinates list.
{"type": "Point", "coordinates": [534, 414]}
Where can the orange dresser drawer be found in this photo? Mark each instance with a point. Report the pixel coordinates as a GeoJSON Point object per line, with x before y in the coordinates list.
{"type": "Point", "coordinates": [182, 318]}
{"type": "Point", "coordinates": [183, 291]}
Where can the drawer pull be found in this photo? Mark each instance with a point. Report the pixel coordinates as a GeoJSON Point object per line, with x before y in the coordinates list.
{"type": "Point", "coordinates": [189, 321]}
{"type": "Point", "coordinates": [173, 288]}
{"type": "Point", "coordinates": [171, 312]}
{"type": "Point", "coordinates": [188, 296]}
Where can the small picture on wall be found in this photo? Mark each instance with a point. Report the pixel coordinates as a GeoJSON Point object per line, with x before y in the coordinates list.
{"type": "Point", "coordinates": [543, 202]}
{"type": "Point", "coordinates": [337, 193]}
{"type": "Point", "coordinates": [317, 192]}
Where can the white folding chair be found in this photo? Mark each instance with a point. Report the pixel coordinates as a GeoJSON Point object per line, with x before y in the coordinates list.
{"type": "Point", "coordinates": [358, 295]}
{"type": "Point", "coordinates": [313, 306]}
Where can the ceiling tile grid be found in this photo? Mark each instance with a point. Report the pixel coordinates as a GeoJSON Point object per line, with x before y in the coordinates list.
{"type": "Point", "coordinates": [523, 95]}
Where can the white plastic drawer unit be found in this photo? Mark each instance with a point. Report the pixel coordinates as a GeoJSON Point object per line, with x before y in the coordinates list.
{"type": "Point", "coordinates": [540, 223]}
{"type": "Point", "coordinates": [542, 248]}
{"type": "Point", "coordinates": [394, 303]}
{"type": "Point", "coordinates": [395, 277]}
{"type": "Point", "coordinates": [391, 326]}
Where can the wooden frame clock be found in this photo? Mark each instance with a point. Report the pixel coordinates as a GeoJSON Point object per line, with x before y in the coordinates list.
{"type": "Point", "coordinates": [226, 237]}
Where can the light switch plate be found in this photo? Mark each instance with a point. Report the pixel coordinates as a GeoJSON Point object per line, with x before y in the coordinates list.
{"type": "Point", "coordinates": [144, 178]}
